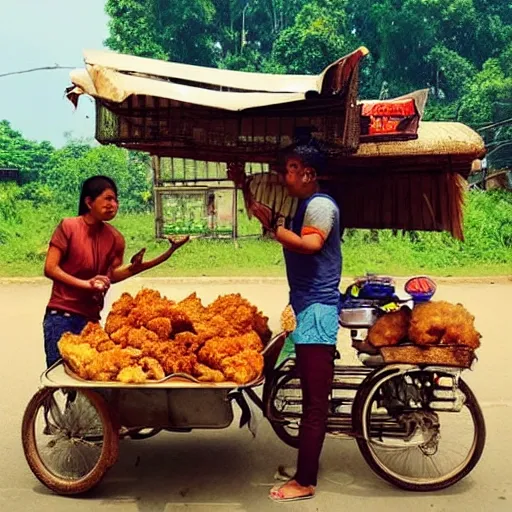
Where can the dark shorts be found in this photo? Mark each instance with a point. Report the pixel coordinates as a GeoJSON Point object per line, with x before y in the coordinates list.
{"type": "Point", "coordinates": [55, 324]}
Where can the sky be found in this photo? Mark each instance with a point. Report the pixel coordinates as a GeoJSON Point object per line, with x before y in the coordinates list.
{"type": "Point", "coordinates": [35, 33]}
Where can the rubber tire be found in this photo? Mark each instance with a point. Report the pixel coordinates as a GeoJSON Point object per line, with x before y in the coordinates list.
{"type": "Point", "coordinates": [109, 452]}
{"type": "Point", "coordinates": [269, 392]}
{"type": "Point", "coordinates": [479, 422]}
{"type": "Point", "coordinates": [282, 433]}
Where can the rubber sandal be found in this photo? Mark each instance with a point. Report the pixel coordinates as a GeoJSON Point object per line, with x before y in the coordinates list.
{"type": "Point", "coordinates": [276, 494]}
{"type": "Point", "coordinates": [278, 497]}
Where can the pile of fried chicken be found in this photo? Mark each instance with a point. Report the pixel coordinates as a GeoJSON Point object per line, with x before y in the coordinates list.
{"type": "Point", "coordinates": [431, 323]}
{"type": "Point", "coordinates": [148, 337]}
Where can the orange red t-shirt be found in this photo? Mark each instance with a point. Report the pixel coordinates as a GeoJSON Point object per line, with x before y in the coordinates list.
{"type": "Point", "coordinates": [87, 251]}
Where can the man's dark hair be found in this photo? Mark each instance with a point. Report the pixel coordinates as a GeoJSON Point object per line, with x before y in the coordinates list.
{"type": "Point", "coordinates": [308, 150]}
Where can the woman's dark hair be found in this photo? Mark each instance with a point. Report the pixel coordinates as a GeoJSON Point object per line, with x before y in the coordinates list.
{"type": "Point", "coordinates": [94, 187]}
{"type": "Point", "coordinates": [308, 150]}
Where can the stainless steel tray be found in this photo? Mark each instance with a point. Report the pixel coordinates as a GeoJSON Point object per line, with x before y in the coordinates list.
{"type": "Point", "coordinates": [358, 317]}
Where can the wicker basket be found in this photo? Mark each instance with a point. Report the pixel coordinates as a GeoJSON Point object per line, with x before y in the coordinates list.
{"type": "Point", "coordinates": [458, 356]}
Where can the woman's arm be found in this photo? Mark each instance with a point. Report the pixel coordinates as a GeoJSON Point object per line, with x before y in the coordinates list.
{"type": "Point", "coordinates": [53, 271]}
{"type": "Point", "coordinates": [121, 272]}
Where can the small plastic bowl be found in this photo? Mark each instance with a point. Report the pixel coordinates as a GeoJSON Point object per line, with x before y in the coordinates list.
{"type": "Point", "coordinates": [421, 295]}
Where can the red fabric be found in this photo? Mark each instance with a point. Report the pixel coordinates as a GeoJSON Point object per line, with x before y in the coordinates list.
{"type": "Point", "coordinates": [87, 251]}
{"type": "Point", "coordinates": [310, 230]}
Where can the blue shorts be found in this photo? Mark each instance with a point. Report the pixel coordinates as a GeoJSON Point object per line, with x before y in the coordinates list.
{"type": "Point", "coordinates": [318, 324]}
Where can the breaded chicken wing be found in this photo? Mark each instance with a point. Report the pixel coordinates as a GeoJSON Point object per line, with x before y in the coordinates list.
{"type": "Point", "coordinates": [243, 367]}
{"type": "Point", "coordinates": [161, 326]}
{"type": "Point", "coordinates": [204, 373]}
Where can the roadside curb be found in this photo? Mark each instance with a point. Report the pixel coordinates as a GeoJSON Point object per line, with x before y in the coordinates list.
{"type": "Point", "coordinates": [262, 280]}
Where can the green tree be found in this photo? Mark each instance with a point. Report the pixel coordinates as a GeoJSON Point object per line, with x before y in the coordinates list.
{"type": "Point", "coordinates": [65, 174]}
{"type": "Point", "coordinates": [17, 152]}
{"type": "Point", "coordinates": [319, 36]}
{"type": "Point", "coordinates": [181, 30]}
{"type": "Point", "coordinates": [491, 85]}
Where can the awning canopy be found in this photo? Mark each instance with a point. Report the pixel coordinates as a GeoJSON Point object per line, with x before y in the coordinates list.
{"type": "Point", "coordinates": [149, 104]}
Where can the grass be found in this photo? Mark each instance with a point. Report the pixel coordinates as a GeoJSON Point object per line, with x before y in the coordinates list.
{"type": "Point", "coordinates": [486, 251]}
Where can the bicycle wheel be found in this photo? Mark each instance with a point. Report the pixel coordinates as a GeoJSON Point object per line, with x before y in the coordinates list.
{"type": "Point", "coordinates": [411, 443]}
{"type": "Point", "coordinates": [69, 439]}
{"type": "Point", "coordinates": [284, 406]}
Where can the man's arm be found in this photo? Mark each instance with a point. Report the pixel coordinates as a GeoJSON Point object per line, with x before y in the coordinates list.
{"type": "Point", "coordinates": [305, 244]}
{"type": "Point", "coordinates": [319, 219]}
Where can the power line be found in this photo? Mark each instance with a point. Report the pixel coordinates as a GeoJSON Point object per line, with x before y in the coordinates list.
{"type": "Point", "coordinates": [45, 68]}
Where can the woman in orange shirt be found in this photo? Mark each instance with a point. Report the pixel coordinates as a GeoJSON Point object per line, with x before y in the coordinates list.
{"type": "Point", "coordinates": [85, 256]}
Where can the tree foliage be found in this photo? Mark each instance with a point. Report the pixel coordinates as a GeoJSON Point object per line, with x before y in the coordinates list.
{"type": "Point", "coordinates": [55, 175]}
{"type": "Point", "coordinates": [22, 154]}
{"type": "Point", "coordinates": [443, 45]}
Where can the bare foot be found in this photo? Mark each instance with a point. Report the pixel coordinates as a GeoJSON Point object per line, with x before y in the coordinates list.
{"type": "Point", "coordinates": [291, 490]}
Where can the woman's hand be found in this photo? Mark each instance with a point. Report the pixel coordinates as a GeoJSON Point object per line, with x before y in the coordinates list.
{"type": "Point", "coordinates": [98, 284]}
{"type": "Point", "coordinates": [177, 241]}
{"type": "Point", "coordinates": [136, 259]}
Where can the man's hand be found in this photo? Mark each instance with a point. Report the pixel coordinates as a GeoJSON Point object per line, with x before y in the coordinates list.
{"type": "Point", "coordinates": [270, 220]}
{"type": "Point", "coordinates": [236, 173]}
{"type": "Point", "coordinates": [263, 214]}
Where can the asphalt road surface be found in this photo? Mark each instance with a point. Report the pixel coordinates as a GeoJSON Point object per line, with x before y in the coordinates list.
{"type": "Point", "coordinates": [229, 470]}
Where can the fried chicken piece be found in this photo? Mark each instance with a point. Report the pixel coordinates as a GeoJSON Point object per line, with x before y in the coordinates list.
{"type": "Point", "coordinates": [260, 325]}
{"type": "Point", "coordinates": [147, 295]}
{"type": "Point", "coordinates": [161, 326]}
{"type": "Point", "coordinates": [192, 308]}
{"type": "Point", "coordinates": [180, 321]}
{"type": "Point", "coordinates": [76, 355]}
{"type": "Point", "coordinates": [243, 367]}
{"type": "Point", "coordinates": [149, 304]}
{"type": "Point", "coordinates": [215, 350]}
{"type": "Point", "coordinates": [234, 308]}
{"type": "Point", "coordinates": [105, 345]}
{"type": "Point", "coordinates": [121, 335]}
{"type": "Point", "coordinates": [204, 373]}
{"type": "Point", "coordinates": [132, 375]}
{"type": "Point", "coordinates": [216, 327]}
{"type": "Point", "coordinates": [108, 364]}
{"type": "Point", "coordinates": [188, 342]}
{"type": "Point", "coordinates": [114, 322]}
{"type": "Point", "coordinates": [288, 319]}
{"type": "Point", "coordinates": [241, 315]}
{"type": "Point", "coordinates": [184, 364]}
{"type": "Point", "coordinates": [152, 368]}
{"type": "Point", "coordinates": [442, 322]}
{"type": "Point", "coordinates": [123, 305]}
{"type": "Point", "coordinates": [68, 338]}
{"type": "Point", "coordinates": [94, 335]}
{"type": "Point", "coordinates": [390, 328]}
{"type": "Point", "coordinates": [173, 357]}
{"type": "Point", "coordinates": [137, 338]}
{"type": "Point", "coordinates": [251, 341]}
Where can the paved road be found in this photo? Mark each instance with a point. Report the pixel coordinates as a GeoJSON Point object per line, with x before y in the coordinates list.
{"type": "Point", "coordinates": [228, 470]}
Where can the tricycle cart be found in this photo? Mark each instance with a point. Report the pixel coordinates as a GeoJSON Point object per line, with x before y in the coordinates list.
{"type": "Point", "coordinates": [418, 426]}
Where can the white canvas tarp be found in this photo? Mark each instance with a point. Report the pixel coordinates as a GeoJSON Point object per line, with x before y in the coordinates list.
{"type": "Point", "coordinates": [114, 77]}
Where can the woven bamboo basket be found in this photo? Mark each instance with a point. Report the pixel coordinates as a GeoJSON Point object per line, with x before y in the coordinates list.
{"type": "Point", "coordinates": [458, 356]}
